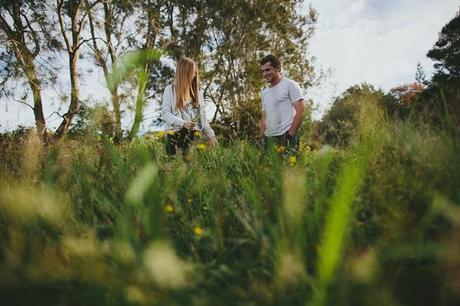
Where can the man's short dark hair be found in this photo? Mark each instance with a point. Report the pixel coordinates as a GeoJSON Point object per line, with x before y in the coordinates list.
{"type": "Point", "coordinates": [275, 61]}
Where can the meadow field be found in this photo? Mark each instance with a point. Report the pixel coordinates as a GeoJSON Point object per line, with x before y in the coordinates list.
{"type": "Point", "coordinates": [94, 212]}
{"type": "Point", "coordinates": [84, 221]}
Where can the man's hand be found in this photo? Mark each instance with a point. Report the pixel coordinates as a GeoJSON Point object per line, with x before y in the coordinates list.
{"type": "Point", "coordinates": [189, 125]}
{"type": "Point", "coordinates": [213, 142]}
{"type": "Point", "coordinates": [262, 126]}
{"type": "Point", "coordinates": [298, 117]}
{"type": "Point", "coordinates": [262, 123]}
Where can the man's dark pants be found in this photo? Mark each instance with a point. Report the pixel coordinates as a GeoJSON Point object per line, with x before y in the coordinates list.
{"type": "Point", "coordinates": [285, 142]}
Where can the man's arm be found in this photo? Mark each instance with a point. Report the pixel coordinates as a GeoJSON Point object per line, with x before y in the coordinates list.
{"type": "Point", "coordinates": [262, 125]}
{"type": "Point", "coordinates": [297, 121]}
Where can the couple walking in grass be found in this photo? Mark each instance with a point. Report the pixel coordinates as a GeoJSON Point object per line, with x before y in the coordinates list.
{"type": "Point", "coordinates": [185, 115]}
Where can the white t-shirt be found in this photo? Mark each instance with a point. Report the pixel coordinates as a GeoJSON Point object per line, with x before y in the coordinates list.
{"type": "Point", "coordinates": [278, 105]}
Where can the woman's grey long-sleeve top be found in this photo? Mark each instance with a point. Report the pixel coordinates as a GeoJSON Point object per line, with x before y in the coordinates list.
{"type": "Point", "coordinates": [173, 116]}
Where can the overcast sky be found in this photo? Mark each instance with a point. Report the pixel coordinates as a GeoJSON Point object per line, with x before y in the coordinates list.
{"type": "Point", "coordinates": [375, 41]}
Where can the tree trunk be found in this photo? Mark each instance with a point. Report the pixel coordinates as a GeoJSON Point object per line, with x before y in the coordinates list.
{"type": "Point", "coordinates": [25, 58]}
{"type": "Point", "coordinates": [117, 115]}
{"type": "Point", "coordinates": [34, 84]}
{"type": "Point", "coordinates": [102, 61]}
{"type": "Point", "coordinates": [73, 50]}
{"type": "Point", "coordinates": [74, 96]}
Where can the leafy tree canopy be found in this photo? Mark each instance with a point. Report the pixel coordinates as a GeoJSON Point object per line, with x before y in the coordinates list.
{"type": "Point", "coordinates": [446, 51]}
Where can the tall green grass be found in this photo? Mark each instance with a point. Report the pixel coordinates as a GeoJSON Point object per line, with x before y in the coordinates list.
{"type": "Point", "coordinates": [86, 221]}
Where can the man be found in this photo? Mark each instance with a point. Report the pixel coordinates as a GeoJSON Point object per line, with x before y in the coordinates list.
{"type": "Point", "coordinates": [282, 106]}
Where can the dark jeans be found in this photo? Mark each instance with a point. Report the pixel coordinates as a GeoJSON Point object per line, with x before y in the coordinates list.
{"type": "Point", "coordinates": [179, 141]}
{"type": "Point", "coordinates": [283, 143]}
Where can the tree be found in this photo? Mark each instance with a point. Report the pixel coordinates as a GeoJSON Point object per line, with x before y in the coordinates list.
{"type": "Point", "coordinates": [442, 97]}
{"type": "Point", "coordinates": [420, 76]}
{"type": "Point", "coordinates": [343, 120]}
{"type": "Point", "coordinates": [108, 21]}
{"type": "Point", "coordinates": [152, 20]}
{"type": "Point", "coordinates": [20, 22]}
{"type": "Point", "coordinates": [32, 33]}
{"type": "Point", "coordinates": [446, 51]}
{"type": "Point", "coordinates": [406, 94]}
{"type": "Point", "coordinates": [118, 29]}
{"type": "Point", "coordinates": [73, 9]}
{"type": "Point", "coordinates": [403, 101]}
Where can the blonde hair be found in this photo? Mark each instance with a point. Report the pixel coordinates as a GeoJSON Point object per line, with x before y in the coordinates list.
{"type": "Point", "coordinates": [187, 83]}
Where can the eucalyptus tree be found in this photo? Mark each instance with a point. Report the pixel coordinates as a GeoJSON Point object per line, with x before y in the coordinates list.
{"type": "Point", "coordinates": [72, 19]}
{"type": "Point", "coordinates": [118, 28]}
{"type": "Point", "coordinates": [109, 23]}
{"type": "Point", "coordinates": [37, 31]}
{"type": "Point", "coordinates": [22, 24]}
{"type": "Point", "coordinates": [149, 24]}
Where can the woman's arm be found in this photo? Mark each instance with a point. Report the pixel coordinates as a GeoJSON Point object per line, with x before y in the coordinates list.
{"type": "Point", "coordinates": [167, 108]}
{"type": "Point", "coordinates": [208, 131]}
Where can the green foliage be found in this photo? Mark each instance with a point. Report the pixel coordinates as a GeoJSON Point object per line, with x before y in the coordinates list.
{"type": "Point", "coordinates": [446, 51]}
{"type": "Point", "coordinates": [93, 222]}
{"type": "Point", "coordinates": [131, 63]}
{"type": "Point", "coordinates": [342, 121]}
{"type": "Point", "coordinates": [434, 101]}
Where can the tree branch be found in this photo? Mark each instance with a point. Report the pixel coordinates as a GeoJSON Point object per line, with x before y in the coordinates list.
{"type": "Point", "coordinates": [6, 27]}
{"type": "Point", "coordinates": [85, 41]}
{"type": "Point", "coordinates": [12, 37]}
{"type": "Point", "coordinates": [96, 49]}
{"type": "Point", "coordinates": [82, 20]}
{"type": "Point", "coordinates": [34, 37]}
{"type": "Point", "coordinates": [55, 112]}
{"type": "Point", "coordinates": [22, 102]}
{"type": "Point", "coordinates": [61, 23]}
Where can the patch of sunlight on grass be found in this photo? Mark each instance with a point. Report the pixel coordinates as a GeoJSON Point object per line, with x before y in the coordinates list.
{"type": "Point", "coordinates": [165, 268]}
{"type": "Point", "coordinates": [141, 183]}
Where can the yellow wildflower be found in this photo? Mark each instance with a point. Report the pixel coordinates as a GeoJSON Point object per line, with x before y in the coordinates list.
{"type": "Point", "coordinates": [161, 134]}
{"type": "Point", "coordinates": [169, 208]}
{"type": "Point", "coordinates": [201, 146]}
{"type": "Point", "coordinates": [197, 133]}
{"type": "Point", "coordinates": [170, 133]}
{"type": "Point", "coordinates": [280, 149]}
{"type": "Point", "coordinates": [292, 160]}
{"type": "Point", "coordinates": [197, 230]}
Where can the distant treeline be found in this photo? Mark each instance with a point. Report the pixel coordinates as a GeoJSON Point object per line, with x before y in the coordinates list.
{"type": "Point", "coordinates": [434, 101]}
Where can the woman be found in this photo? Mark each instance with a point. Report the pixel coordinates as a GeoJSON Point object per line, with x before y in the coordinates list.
{"type": "Point", "coordinates": [184, 110]}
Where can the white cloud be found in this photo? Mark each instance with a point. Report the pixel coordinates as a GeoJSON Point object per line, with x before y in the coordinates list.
{"type": "Point", "coordinates": [376, 41]}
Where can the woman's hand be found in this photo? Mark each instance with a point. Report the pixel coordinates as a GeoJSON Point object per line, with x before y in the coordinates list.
{"type": "Point", "coordinates": [213, 142]}
{"type": "Point", "coordinates": [189, 125]}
